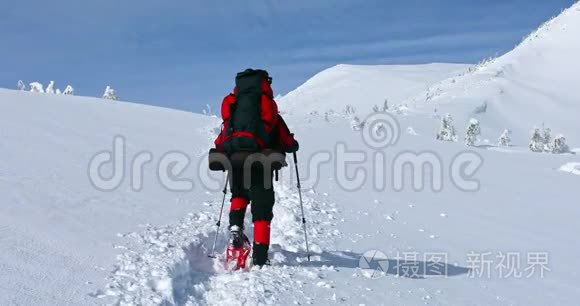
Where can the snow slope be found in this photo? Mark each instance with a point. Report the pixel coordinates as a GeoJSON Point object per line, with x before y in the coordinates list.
{"type": "Point", "coordinates": [535, 83]}
{"type": "Point", "coordinates": [364, 86]}
{"type": "Point", "coordinates": [57, 232]}
{"type": "Point", "coordinates": [64, 242]}
{"type": "Point", "coordinates": [524, 205]}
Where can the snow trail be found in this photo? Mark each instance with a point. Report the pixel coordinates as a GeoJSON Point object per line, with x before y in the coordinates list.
{"type": "Point", "coordinates": [168, 265]}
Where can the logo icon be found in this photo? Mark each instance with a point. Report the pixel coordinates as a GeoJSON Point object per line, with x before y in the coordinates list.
{"type": "Point", "coordinates": [373, 264]}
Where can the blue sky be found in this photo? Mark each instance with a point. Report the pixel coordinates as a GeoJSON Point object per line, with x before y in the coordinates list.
{"type": "Point", "coordinates": [185, 53]}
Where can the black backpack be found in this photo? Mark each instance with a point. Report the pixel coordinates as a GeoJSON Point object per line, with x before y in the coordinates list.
{"type": "Point", "coordinates": [245, 127]}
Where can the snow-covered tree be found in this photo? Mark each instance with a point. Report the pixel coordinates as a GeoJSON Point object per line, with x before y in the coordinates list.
{"type": "Point", "coordinates": [69, 90]}
{"type": "Point", "coordinates": [547, 135]}
{"type": "Point", "coordinates": [110, 94]}
{"type": "Point", "coordinates": [547, 139]}
{"type": "Point", "coordinates": [447, 130]}
{"type": "Point", "coordinates": [50, 88]}
{"type": "Point", "coordinates": [505, 138]}
{"type": "Point", "coordinates": [21, 85]}
{"type": "Point", "coordinates": [386, 105]}
{"type": "Point", "coordinates": [559, 145]}
{"type": "Point", "coordinates": [473, 132]}
{"type": "Point", "coordinates": [537, 141]}
{"type": "Point", "coordinates": [36, 87]}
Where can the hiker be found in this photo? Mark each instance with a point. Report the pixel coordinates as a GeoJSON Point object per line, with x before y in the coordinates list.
{"type": "Point", "coordinates": [252, 124]}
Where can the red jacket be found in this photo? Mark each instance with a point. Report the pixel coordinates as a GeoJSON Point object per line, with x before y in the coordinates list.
{"type": "Point", "coordinates": [274, 124]}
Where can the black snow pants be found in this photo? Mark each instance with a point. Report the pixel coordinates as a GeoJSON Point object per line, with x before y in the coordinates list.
{"type": "Point", "coordinates": [255, 187]}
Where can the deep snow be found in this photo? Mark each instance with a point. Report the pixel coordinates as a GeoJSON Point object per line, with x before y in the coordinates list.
{"type": "Point", "coordinates": [63, 241]}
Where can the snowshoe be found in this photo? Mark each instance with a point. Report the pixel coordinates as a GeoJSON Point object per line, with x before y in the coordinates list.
{"type": "Point", "coordinates": [238, 249]}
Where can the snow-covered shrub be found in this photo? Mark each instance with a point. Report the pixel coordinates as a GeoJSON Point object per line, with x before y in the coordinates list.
{"type": "Point", "coordinates": [50, 88]}
{"type": "Point", "coordinates": [473, 132]}
{"type": "Point", "coordinates": [482, 64]}
{"type": "Point", "coordinates": [559, 145]}
{"type": "Point", "coordinates": [480, 109]}
{"type": "Point", "coordinates": [411, 131]}
{"type": "Point", "coordinates": [379, 129]}
{"type": "Point", "coordinates": [349, 110]}
{"type": "Point", "coordinates": [69, 90]}
{"type": "Point", "coordinates": [356, 124]}
{"type": "Point", "coordinates": [21, 85]}
{"type": "Point", "coordinates": [399, 109]}
{"type": "Point", "coordinates": [537, 141]}
{"type": "Point", "coordinates": [207, 110]}
{"type": "Point", "coordinates": [447, 130]}
{"type": "Point", "coordinates": [110, 94]}
{"type": "Point", "coordinates": [432, 93]}
{"type": "Point", "coordinates": [326, 117]}
{"type": "Point", "coordinates": [505, 138]}
{"type": "Point", "coordinates": [384, 108]}
{"type": "Point", "coordinates": [435, 114]}
{"type": "Point", "coordinates": [36, 87]}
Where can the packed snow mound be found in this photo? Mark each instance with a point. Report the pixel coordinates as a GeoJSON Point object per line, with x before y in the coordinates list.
{"type": "Point", "coordinates": [534, 84]}
{"type": "Point", "coordinates": [364, 86]}
{"type": "Point", "coordinates": [573, 168]}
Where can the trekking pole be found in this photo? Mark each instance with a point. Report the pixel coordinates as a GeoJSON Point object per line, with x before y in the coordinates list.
{"type": "Point", "coordinates": [301, 206]}
{"type": "Point", "coordinates": [219, 222]}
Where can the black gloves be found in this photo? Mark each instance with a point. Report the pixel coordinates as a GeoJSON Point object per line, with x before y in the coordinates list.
{"type": "Point", "coordinates": [293, 148]}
